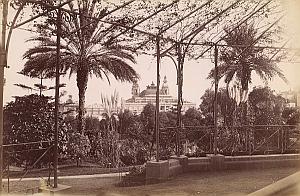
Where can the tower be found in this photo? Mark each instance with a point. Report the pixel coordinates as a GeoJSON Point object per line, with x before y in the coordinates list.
{"type": "Point", "coordinates": [164, 88]}
{"type": "Point", "coordinates": [135, 90]}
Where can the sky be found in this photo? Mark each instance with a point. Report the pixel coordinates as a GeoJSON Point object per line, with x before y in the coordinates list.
{"type": "Point", "coordinates": [195, 72]}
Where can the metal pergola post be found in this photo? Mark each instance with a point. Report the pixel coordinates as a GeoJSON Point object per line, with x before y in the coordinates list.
{"type": "Point", "coordinates": [179, 101]}
{"type": "Point", "coordinates": [215, 100]}
{"type": "Point", "coordinates": [2, 65]}
{"type": "Point", "coordinates": [157, 97]}
{"type": "Point", "coordinates": [57, 74]}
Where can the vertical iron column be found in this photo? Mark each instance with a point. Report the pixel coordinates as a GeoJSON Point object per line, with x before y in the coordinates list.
{"type": "Point", "coordinates": [216, 100]}
{"type": "Point", "coordinates": [8, 177]}
{"type": "Point", "coordinates": [2, 65]}
{"type": "Point", "coordinates": [157, 98]}
{"type": "Point", "coordinates": [179, 97]}
{"type": "Point", "coordinates": [55, 153]}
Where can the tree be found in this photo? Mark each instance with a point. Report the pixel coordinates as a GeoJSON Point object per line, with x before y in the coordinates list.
{"type": "Point", "coordinates": [30, 118]}
{"type": "Point", "coordinates": [266, 107]}
{"type": "Point", "coordinates": [240, 62]}
{"type": "Point", "coordinates": [93, 131]}
{"type": "Point", "coordinates": [82, 53]}
{"type": "Point", "coordinates": [132, 151]}
{"type": "Point", "coordinates": [148, 122]}
{"type": "Point", "coordinates": [291, 115]}
{"type": "Point", "coordinates": [226, 107]}
{"type": "Point", "coordinates": [78, 146]}
{"type": "Point", "coordinates": [192, 117]}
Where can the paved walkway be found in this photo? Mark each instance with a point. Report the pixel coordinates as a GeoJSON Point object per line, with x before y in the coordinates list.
{"type": "Point", "coordinates": [234, 182]}
{"type": "Point", "coordinates": [70, 177]}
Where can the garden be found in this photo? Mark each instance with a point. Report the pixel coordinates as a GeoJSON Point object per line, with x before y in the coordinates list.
{"type": "Point", "coordinates": [104, 39]}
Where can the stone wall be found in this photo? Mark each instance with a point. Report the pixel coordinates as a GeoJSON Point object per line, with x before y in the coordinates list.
{"type": "Point", "coordinates": [163, 170]}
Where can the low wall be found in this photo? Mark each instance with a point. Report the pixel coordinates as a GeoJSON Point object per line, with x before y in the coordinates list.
{"type": "Point", "coordinates": [262, 161]}
{"type": "Point", "coordinates": [245, 162]}
{"type": "Point", "coordinates": [174, 167]}
{"type": "Point", "coordinates": [163, 170]}
{"type": "Point", "coordinates": [198, 164]}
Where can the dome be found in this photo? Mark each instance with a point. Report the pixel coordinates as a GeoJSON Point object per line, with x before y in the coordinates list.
{"type": "Point", "coordinates": [150, 90]}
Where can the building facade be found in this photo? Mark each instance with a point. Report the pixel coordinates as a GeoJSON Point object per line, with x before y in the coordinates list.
{"type": "Point", "coordinates": [139, 99]}
{"type": "Point", "coordinates": [292, 97]}
{"type": "Point", "coordinates": [135, 104]}
{"type": "Point", "coordinates": [95, 110]}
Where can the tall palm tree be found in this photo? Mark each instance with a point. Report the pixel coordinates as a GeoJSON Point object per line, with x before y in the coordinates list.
{"type": "Point", "coordinates": [240, 62]}
{"type": "Point", "coordinates": [82, 53]}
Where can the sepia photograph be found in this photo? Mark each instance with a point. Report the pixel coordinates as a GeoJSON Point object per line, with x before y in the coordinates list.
{"type": "Point", "coordinates": [150, 97]}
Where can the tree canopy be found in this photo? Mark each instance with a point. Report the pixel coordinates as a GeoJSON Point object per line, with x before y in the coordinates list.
{"type": "Point", "coordinates": [30, 118]}
{"type": "Point", "coordinates": [238, 63]}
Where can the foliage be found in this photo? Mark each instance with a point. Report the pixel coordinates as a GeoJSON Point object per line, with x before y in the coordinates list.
{"type": "Point", "coordinates": [135, 177]}
{"type": "Point", "coordinates": [82, 53]}
{"type": "Point", "coordinates": [148, 135]}
{"type": "Point", "coordinates": [239, 62]}
{"type": "Point", "coordinates": [192, 117]}
{"type": "Point", "coordinates": [103, 143]}
{"type": "Point", "coordinates": [226, 107]}
{"type": "Point", "coordinates": [78, 146]}
{"type": "Point", "coordinates": [132, 150]}
{"type": "Point", "coordinates": [291, 116]}
{"type": "Point", "coordinates": [30, 118]}
{"type": "Point", "coordinates": [148, 127]}
{"type": "Point", "coordinates": [266, 106]}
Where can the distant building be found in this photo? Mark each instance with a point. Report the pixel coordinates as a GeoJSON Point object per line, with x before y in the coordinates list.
{"type": "Point", "coordinates": [293, 98]}
{"type": "Point", "coordinates": [139, 99]}
{"type": "Point", "coordinates": [95, 110]}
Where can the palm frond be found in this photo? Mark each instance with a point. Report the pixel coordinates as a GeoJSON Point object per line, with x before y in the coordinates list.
{"type": "Point", "coordinates": [24, 86]}
{"type": "Point", "coordinates": [38, 50]}
{"type": "Point", "coordinates": [120, 69]}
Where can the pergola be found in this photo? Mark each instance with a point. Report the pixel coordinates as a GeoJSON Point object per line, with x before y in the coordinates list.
{"type": "Point", "coordinates": [193, 32]}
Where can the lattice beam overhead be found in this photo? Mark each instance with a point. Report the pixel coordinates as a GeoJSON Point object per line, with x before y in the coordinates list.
{"type": "Point", "coordinates": [177, 21]}
{"type": "Point", "coordinates": [202, 27]}
{"type": "Point", "coordinates": [108, 13]}
{"type": "Point", "coordinates": [239, 23]}
{"type": "Point", "coordinates": [169, 39]}
{"type": "Point", "coordinates": [51, 8]}
{"type": "Point", "coordinates": [220, 13]}
{"type": "Point", "coordinates": [143, 20]}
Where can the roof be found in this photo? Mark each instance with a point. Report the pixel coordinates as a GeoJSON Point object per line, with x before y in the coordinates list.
{"type": "Point", "coordinates": [150, 90]}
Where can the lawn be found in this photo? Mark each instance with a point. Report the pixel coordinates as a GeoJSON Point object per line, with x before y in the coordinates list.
{"type": "Point", "coordinates": [233, 182]}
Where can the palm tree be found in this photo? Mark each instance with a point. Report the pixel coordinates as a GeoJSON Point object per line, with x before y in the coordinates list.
{"type": "Point", "coordinates": [82, 53]}
{"type": "Point", "coordinates": [240, 62]}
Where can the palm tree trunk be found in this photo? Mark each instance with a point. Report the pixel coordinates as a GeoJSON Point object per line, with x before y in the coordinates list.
{"type": "Point", "coordinates": [82, 79]}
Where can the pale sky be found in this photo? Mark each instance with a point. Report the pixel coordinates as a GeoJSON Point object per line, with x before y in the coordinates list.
{"type": "Point", "coordinates": [195, 72]}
